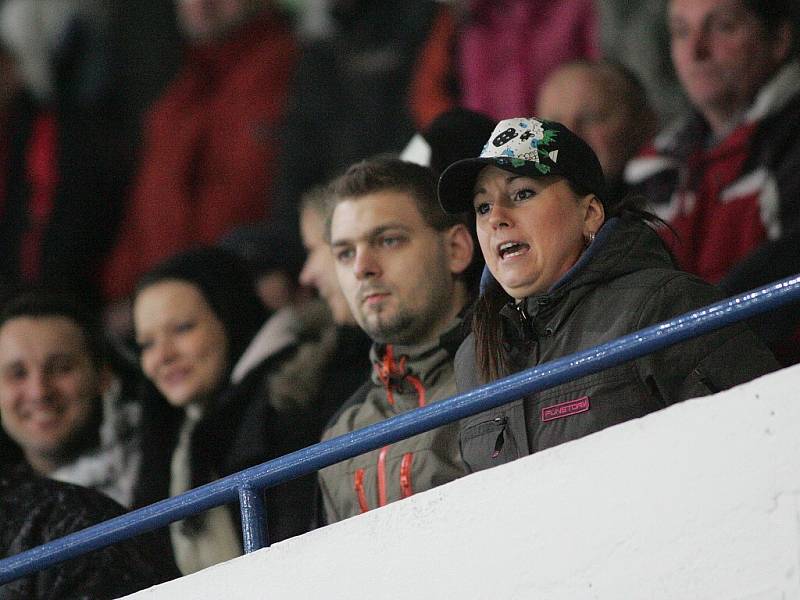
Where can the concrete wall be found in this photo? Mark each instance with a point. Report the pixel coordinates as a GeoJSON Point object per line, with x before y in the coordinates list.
{"type": "Point", "coordinates": [698, 501]}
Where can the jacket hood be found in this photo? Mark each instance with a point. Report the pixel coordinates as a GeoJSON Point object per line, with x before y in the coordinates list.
{"type": "Point", "coordinates": [279, 332]}
{"type": "Point", "coordinates": [622, 246]}
{"type": "Point", "coordinates": [678, 139]}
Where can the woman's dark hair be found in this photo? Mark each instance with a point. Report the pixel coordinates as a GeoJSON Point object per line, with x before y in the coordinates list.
{"type": "Point", "coordinates": [226, 284]}
{"type": "Point", "coordinates": [491, 355]}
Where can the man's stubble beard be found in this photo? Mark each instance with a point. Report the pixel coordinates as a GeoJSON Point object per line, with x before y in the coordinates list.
{"type": "Point", "coordinates": [398, 329]}
{"type": "Point", "coordinates": [408, 327]}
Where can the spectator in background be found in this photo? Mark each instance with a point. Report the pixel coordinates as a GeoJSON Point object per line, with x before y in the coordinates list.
{"type": "Point", "coordinates": [211, 410]}
{"type": "Point", "coordinates": [69, 415]}
{"type": "Point", "coordinates": [400, 263]}
{"type": "Point", "coordinates": [319, 270]}
{"type": "Point", "coordinates": [275, 258]}
{"type": "Point", "coordinates": [491, 56]}
{"type": "Point", "coordinates": [454, 134]}
{"type": "Point", "coordinates": [727, 178]}
{"type": "Point", "coordinates": [211, 142]}
{"type": "Point", "coordinates": [606, 105]}
{"type": "Point", "coordinates": [635, 34]}
{"type": "Point", "coordinates": [349, 97]}
{"type": "Point", "coordinates": [37, 510]}
{"type": "Point", "coordinates": [63, 164]}
{"type": "Point", "coordinates": [332, 359]}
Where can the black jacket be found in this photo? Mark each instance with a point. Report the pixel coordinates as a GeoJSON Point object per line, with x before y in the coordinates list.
{"type": "Point", "coordinates": [623, 283]}
{"type": "Point", "coordinates": [242, 429]}
{"type": "Point", "coordinates": [36, 510]}
{"type": "Point", "coordinates": [258, 419]}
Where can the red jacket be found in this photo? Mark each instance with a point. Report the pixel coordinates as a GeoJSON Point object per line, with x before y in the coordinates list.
{"type": "Point", "coordinates": [735, 205]}
{"type": "Point", "coordinates": [209, 152]}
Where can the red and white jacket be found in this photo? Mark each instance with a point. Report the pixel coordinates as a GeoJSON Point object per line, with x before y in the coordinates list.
{"type": "Point", "coordinates": [734, 204]}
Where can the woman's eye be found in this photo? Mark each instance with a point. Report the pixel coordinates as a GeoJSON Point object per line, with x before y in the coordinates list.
{"type": "Point", "coordinates": [482, 208]}
{"type": "Point", "coordinates": [523, 194]}
{"type": "Point", "coordinates": [16, 373]}
{"type": "Point", "coordinates": [723, 25]}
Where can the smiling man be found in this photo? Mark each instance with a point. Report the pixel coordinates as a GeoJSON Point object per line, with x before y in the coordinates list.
{"type": "Point", "coordinates": [59, 402]}
{"type": "Point", "coordinates": [401, 264]}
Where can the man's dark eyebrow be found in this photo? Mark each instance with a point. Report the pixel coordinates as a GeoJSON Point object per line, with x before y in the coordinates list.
{"type": "Point", "coordinates": [372, 234]}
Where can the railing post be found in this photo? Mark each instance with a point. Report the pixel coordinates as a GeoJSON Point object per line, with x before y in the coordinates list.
{"type": "Point", "coordinates": [254, 519]}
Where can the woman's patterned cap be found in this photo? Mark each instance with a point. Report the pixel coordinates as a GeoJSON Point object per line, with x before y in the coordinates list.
{"type": "Point", "coordinates": [526, 146]}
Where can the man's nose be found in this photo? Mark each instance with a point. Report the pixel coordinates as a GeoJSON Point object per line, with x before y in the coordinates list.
{"type": "Point", "coordinates": [699, 44]}
{"type": "Point", "coordinates": [306, 276]}
{"type": "Point", "coordinates": [366, 264]}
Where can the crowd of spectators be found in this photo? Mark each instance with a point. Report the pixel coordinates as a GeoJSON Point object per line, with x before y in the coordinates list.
{"type": "Point", "coordinates": [222, 240]}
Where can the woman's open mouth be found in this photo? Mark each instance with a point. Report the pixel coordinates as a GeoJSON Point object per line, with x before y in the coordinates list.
{"type": "Point", "coordinates": [511, 249]}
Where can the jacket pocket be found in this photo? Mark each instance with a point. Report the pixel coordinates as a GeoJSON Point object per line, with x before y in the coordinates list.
{"type": "Point", "coordinates": [488, 442]}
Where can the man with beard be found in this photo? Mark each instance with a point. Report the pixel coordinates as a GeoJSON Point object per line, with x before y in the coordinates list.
{"type": "Point", "coordinates": [401, 264]}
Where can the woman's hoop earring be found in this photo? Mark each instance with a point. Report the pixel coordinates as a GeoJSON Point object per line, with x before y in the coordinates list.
{"type": "Point", "coordinates": [590, 238]}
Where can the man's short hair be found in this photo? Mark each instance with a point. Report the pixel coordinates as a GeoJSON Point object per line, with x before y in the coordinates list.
{"type": "Point", "coordinates": [773, 14]}
{"type": "Point", "coordinates": [41, 303]}
{"type": "Point", "coordinates": [318, 199]}
{"type": "Point", "coordinates": [632, 92]}
{"type": "Point", "coordinates": [391, 174]}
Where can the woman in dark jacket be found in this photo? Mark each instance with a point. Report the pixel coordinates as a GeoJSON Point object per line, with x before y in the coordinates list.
{"type": "Point", "coordinates": [208, 352]}
{"type": "Point", "coordinates": [568, 273]}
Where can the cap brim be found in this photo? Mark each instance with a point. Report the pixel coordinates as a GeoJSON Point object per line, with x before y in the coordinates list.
{"type": "Point", "coordinates": [457, 184]}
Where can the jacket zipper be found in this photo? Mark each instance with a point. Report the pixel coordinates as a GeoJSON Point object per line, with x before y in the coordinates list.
{"type": "Point", "coordinates": [360, 494]}
{"type": "Point", "coordinates": [501, 438]}
{"type": "Point", "coordinates": [382, 476]}
{"type": "Point", "coordinates": [405, 475]}
{"type": "Point", "coordinates": [523, 317]}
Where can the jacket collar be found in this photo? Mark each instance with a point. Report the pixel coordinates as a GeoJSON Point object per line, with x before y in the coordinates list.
{"type": "Point", "coordinates": [623, 245]}
{"type": "Point", "coordinates": [278, 333]}
{"type": "Point", "coordinates": [422, 360]}
{"type": "Point", "coordinates": [681, 138]}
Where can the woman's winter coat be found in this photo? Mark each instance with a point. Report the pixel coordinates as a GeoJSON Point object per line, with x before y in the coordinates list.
{"type": "Point", "coordinates": [624, 282]}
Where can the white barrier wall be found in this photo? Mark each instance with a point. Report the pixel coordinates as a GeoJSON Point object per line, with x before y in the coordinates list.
{"type": "Point", "coordinates": [698, 501]}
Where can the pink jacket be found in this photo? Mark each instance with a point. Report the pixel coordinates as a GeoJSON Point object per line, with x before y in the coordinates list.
{"type": "Point", "coordinates": [508, 47]}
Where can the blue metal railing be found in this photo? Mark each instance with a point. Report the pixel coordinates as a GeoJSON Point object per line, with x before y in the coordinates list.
{"type": "Point", "coordinates": [245, 486]}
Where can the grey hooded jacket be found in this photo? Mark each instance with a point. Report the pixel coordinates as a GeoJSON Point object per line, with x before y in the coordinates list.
{"type": "Point", "coordinates": [623, 283]}
{"type": "Point", "coordinates": [404, 378]}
